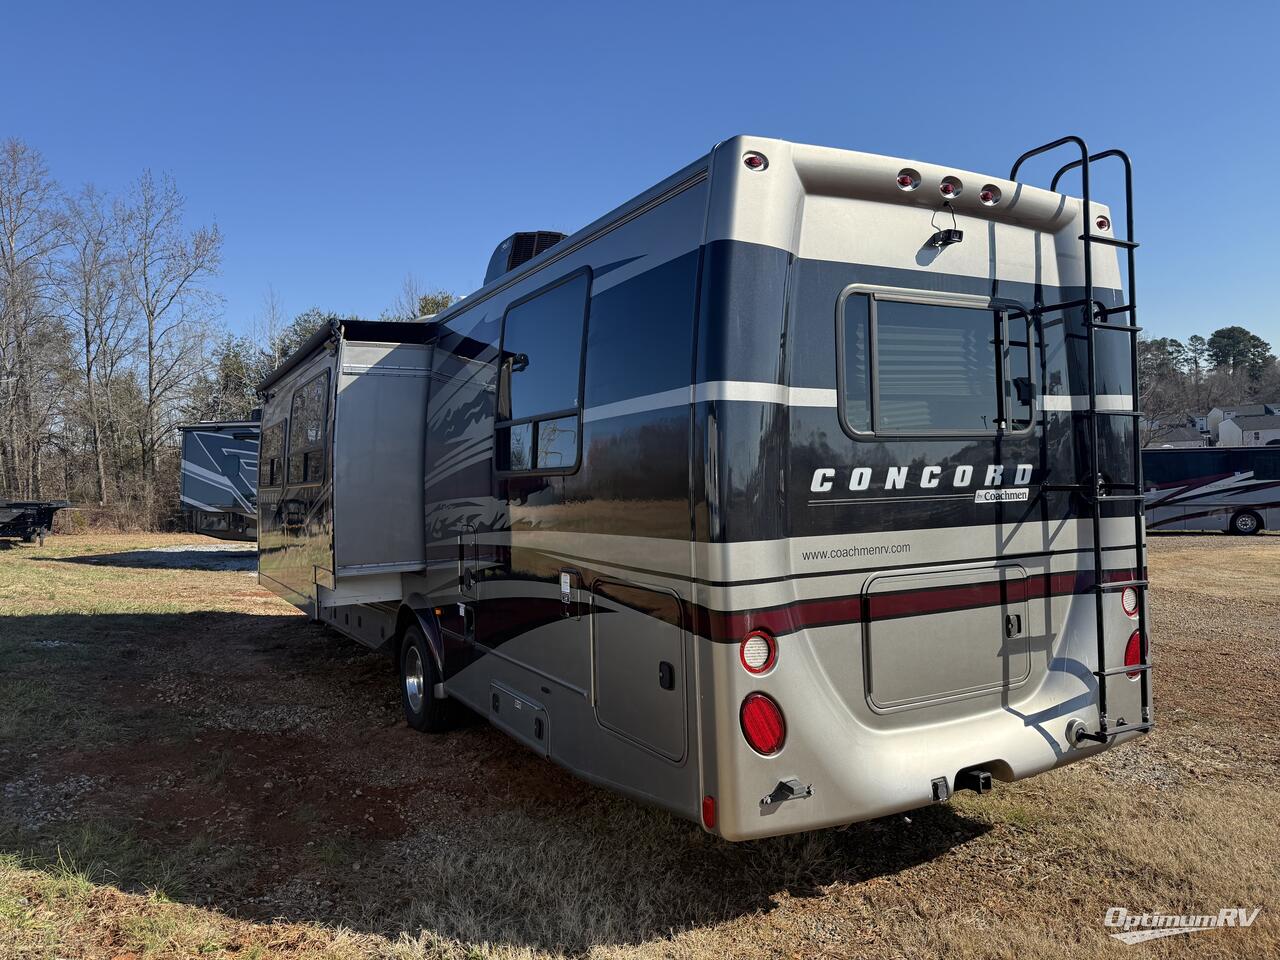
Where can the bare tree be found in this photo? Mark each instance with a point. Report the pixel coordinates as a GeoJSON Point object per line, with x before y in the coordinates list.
{"type": "Point", "coordinates": [167, 268]}
{"type": "Point", "coordinates": [415, 301]}
{"type": "Point", "coordinates": [29, 239]}
{"type": "Point", "coordinates": [90, 290]}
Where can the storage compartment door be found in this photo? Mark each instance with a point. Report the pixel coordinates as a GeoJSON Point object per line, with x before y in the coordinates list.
{"type": "Point", "coordinates": [638, 642]}
{"type": "Point", "coordinates": [945, 635]}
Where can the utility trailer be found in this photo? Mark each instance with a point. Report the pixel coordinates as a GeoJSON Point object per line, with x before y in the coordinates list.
{"type": "Point", "coordinates": [29, 520]}
{"type": "Point", "coordinates": [801, 489]}
{"type": "Point", "coordinates": [219, 484]}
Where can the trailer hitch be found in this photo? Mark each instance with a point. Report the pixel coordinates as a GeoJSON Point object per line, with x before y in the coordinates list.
{"type": "Point", "coordinates": [791, 789]}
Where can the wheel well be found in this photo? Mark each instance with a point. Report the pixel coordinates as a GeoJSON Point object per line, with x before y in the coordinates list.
{"type": "Point", "coordinates": [408, 616]}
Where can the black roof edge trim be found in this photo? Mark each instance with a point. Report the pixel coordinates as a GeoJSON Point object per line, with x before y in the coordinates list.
{"type": "Point", "coordinates": [374, 331]}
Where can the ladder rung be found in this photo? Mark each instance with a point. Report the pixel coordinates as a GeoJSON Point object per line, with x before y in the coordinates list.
{"type": "Point", "coordinates": [1103, 325]}
{"type": "Point", "coordinates": [1114, 413]}
{"type": "Point", "coordinates": [1114, 731]}
{"type": "Point", "coordinates": [1115, 586]}
{"type": "Point", "coordinates": [1118, 497]}
{"type": "Point", "coordinates": [1110, 241]}
{"type": "Point", "coordinates": [1116, 671]}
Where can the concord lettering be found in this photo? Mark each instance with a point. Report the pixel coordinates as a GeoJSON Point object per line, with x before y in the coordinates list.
{"type": "Point", "coordinates": [826, 479]}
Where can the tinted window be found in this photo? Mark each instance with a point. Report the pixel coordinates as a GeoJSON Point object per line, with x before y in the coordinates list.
{"type": "Point", "coordinates": [936, 368]}
{"type": "Point", "coordinates": [541, 379]}
{"type": "Point", "coordinates": [542, 350]}
{"type": "Point", "coordinates": [308, 416]}
{"type": "Point", "coordinates": [271, 456]}
{"type": "Point", "coordinates": [1266, 465]}
{"type": "Point", "coordinates": [854, 368]}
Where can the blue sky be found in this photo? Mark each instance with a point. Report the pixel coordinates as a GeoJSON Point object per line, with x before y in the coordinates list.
{"type": "Point", "coordinates": [340, 146]}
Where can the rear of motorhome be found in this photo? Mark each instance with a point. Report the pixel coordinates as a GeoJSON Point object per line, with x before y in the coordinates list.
{"type": "Point", "coordinates": [800, 489]}
{"type": "Point", "coordinates": [1235, 489]}
{"type": "Point", "coordinates": [219, 481]}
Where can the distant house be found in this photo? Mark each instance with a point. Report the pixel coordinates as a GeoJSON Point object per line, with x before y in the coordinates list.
{"type": "Point", "coordinates": [1177, 437]}
{"type": "Point", "coordinates": [1250, 431]}
{"type": "Point", "coordinates": [1218, 414]}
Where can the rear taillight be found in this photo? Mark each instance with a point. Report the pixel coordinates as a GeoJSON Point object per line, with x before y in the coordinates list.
{"type": "Point", "coordinates": [1129, 601]}
{"type": "Point", "coordinates": [1133, 654]}
{"type": "Point", "coordinates": [762, 724]}
{"type": "Point", "coordinates": [758, 652]}
{"type": "Point", "coordinates": [709, 812]}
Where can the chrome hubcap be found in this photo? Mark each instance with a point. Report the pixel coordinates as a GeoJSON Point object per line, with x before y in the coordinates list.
{"type": "Point", "coordinates": [1246, 523]}
{"type": "Point", "coordinates": [413, 680]}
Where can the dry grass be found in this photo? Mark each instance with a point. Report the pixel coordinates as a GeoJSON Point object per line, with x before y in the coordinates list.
{"type": "Point", "coordinates": [187, 769]}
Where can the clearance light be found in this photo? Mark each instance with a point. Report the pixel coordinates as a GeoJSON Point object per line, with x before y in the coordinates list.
{"type": "Point", "coordinates": [762, 724]}
{"type": "Point", "coordinates": [1133, 654]}
{"type": "Point", "coordinates": [755, 161]}
{"type": "Point", "coordinates": [950, 187]}
{"type": "Point", "coordinates": [990, 195]}
{"type": "Point", "coordinates": [709, 812]}
{"type": "Point", "coordinates": [1102, 223]}
{"type": "Point", "coordinates": [758, 652]}
{"type": "Point", "coordinates": [1129, 600]}
{"type": "Point", "coordinates": [908, 179]}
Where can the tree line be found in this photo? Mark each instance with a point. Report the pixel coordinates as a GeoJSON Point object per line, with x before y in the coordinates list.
{"type": "Point", "coordinates": [1231, 366]}
{"type": "Point", "coordinates": [112, 335]}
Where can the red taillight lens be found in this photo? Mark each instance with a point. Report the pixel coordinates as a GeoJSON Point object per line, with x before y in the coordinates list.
{"type": "Point", "coordinates": [762, 724]}
{"type": "Point", "coordinates": [709, 812]}
{"type": "Point", "coordinates": [1129, 601]}
{"type": "Point", "coordinates": [758, 652]}
{"type": "Point", "coordinates": [1133, 654]}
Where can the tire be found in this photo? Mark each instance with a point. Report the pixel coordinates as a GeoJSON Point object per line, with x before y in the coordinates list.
{"type": "Point", "coordinates": [418, 675]}
{"type": "Point", "coordinates": [1246, 523]}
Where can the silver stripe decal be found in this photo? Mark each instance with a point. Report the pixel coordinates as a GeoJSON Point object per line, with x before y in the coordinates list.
{"type": "Point", "coordinates": [747, 390]}
{"type": "Point", "coordinates": [758, 392]}
{"type": "Point", "coordinates": [1080, 401]}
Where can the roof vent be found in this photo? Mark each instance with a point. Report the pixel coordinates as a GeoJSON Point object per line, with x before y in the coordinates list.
{"type": "Point", "coordinates": [519, 248]}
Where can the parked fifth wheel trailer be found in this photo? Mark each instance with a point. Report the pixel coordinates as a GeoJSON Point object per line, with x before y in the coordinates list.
{"type": "Point", "coordinates": [220, 478]}
{"type": "Point", "coordinates": [798, 490]}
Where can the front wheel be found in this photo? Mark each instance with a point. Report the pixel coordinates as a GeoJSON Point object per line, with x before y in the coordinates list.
{"type": "Point", "coordinates": [423, 709]}
{"type": "Point", "coordinates": [1246, 523]}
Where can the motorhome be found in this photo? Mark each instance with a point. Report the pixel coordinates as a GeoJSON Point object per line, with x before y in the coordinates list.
{"type": "Point", "coordinates": [1235, 489]}
{"type": "Point", "coordinates": [219, 479]}
{"type": "Point", "coordinates": [800, 489]}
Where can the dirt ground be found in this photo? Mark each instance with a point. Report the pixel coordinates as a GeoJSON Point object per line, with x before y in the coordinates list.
{"type": "Point", "coordinates": [189, 768]}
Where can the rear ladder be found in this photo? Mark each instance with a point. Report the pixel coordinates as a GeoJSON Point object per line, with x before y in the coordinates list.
{"type": "Point", "coordinates": [1096, 491]}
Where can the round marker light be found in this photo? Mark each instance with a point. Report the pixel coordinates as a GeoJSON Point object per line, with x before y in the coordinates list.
{"type": "Point", "coordinates": [762, 724]}
{"type": "Point", "coordinates": [947, 189]}
{"type": "Point", "coordinates": [755, 161]}
{"type": "Point", "coordinates": [950, 187]}
{"type": "Point", "coordinates": [904, 180]}
{"type": "Point", "coordinates": [1103, 223]}
{"type": "Point", "coordinates": [1133, 654]}
{"type": "Point", "coordinates": [990, 195]}
{"type": "Point", "coordinates": [1129, 600]}
{"type": "Point", "coordinates": [908, 179]}
{"type": "Point", "coordinates": [758, 652]}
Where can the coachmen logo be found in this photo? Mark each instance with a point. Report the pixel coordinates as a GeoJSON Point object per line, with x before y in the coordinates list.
{"type": "Point", "coordinates": [962, 477]}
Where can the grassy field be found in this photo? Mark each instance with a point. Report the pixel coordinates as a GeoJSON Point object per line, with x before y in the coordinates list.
{"type": "Point", "coordinates": [187, 768]}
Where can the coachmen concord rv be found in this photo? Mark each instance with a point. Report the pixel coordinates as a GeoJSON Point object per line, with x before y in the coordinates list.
{"type": "Point", "coordinates": [799, 490]}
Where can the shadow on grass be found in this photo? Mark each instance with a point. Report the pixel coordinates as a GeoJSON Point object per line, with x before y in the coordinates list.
{"type": "Point", "coordinates": [235, 557]}
{"type": "Point", "coordinates": [257, 767]}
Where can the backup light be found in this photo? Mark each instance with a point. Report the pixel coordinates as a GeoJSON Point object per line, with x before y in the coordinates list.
{"type": "Point", "coordinates": [762, 724]}
{"type": "Point", "coordinates": [1129, 601]}
{"type": "Point", "coordinates": [758, 652]}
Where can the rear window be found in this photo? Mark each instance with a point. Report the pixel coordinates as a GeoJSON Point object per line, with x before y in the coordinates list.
{"type": "Point", "coordinates": [927, 368]}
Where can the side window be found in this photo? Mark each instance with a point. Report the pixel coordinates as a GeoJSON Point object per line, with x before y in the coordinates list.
{"type": "Point", "coordinates": [540, 381]}
{"type": "Point", "coordinates": [924, 368]}
{"type": "Point", "coordinates": [271, 456]}
{"type": "Point", "coordinates": [1266, 465]}
{"type": "Point", "coordinates": [308, 418]}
